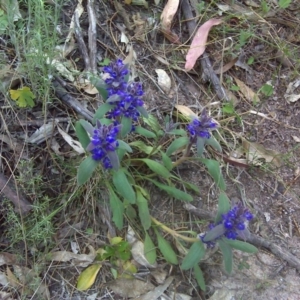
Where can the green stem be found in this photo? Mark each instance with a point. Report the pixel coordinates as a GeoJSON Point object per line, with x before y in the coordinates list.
{"type": "Point", "coordinates": [173, 232]}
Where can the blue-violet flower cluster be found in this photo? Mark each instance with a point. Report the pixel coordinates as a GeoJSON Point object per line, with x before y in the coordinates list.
{"type": "Point", "coordinates": [125, 97]}
{"type": "Point", "coordinates": [200, 128]}
{"type": "Point", "coordinates": [233, 225]}
{"type": "Point", "coordinates": [104, 143]}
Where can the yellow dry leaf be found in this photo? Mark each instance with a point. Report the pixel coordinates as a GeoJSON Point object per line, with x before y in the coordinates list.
{"type": "Point", "coordinates": [247, 92]}
{"type": "Point", "coordinates": [88, 277]}
{"type": "Point", "coordinates": [186, 111]}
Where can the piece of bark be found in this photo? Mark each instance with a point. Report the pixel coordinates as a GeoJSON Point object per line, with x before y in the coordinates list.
{"type": "Point", "coordinates": [92, 36]}
{"type": "Point", "coordinates": [207, 69]}
{"type": "Point", "coordinates": [11, 191]}
{"type": "Point", "coordinates": [64, 96]}
{"type": "Point", "coordinates": [253, 239]}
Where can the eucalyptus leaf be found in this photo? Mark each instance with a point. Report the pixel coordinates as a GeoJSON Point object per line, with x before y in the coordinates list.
{"type": "Point", "coordinates": [223, 207]}
{"type": "Point", "coordinates": [82, 135]}
{"type": "Point", "coordinates": [194, 256]}
{"type": "Point", "coordinates": [177, 144]}
{"type": "Point", "coordinates": [174, 192]}
{"type": "Point", "coordinates": [86, 169]}
{"type": "Point", "coordinates": [126, 126]}
{"type": "Point", "coordinates": [117, 208]}
{"type": "Point", "coordinates": [144, 214]}
{"type": "Point", "coordinates": [123, 187]}
{"type": "Point", "coordinates": [199, 277]}
{"type": "Point", "coordinates": [144, 132]}
{"type": "Point", "coordinates": [149, 249]}
{"type": "Point", "coordinates": [166, 249]}
{"type": "Point", "coordinates": [102, 110]}
{"type": "Point", "coordinates": [156, 167]}
{"type": "Point", "coordinates": [227, 255]}
{"type": "Point", "coordinates": [240, 245]}
{"type": "Point", "coordinates": [214, 170]}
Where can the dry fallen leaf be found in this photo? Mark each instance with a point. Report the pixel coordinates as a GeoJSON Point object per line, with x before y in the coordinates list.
{"type": "Point", "coordinates": [289, 94]}
{"type": "Point", "coordinates": [163, 80]}
{"type": "Point", "coordinates": [137, 252]}
{"type": "Point", "coordinates": [7, 258]}
{"type": "Point", "coordinates": [247, 92]}
{"type": "Point", "coordinates": [186, 111]}
{"type": "Point", "coordinates": [199, 43]}
{"type": "Point", "coordinates": [296, 139]}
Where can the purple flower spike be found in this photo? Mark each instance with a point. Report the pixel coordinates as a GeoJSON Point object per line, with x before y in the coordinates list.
{"type": "Point", "coordinates": [104, 143]}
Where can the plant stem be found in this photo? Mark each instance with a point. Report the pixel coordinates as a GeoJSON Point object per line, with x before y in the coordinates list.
{"type": "Point", "coordinates": [173, 232]}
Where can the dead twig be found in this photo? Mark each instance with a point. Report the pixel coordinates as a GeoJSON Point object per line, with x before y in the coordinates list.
{"type": "Point", "coordinates": [208, 72]}
{"type": "Point", "coordinates": [253, 239]}
{"type": "Point", "coordinates": [92, 36]}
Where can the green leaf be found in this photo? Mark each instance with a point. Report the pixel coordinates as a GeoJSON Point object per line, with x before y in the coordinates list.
{"type": "Point", "coordinates": [126, 126]}
{"type": "Point", "coordinates": [102, 110]}
{"type": "Point", "coordinates": [214, 233]}
{"type": "Point", "coordinates": [191, 186]}
{"type": "Point", "coordinates": [144, 214]}
{"type": "Point", "coordinates": [156, 167]}
{"type": "Point", "coordinates": [105, 62]}
{"type": "Point", "coordinates": [215, 172]}
{"type": "Point", "coordinates": [284, 3]}
{"type": "Point", "coordinates": [166, 249]}
{"type": "Point", "coordinates": [193, 257]}
{"type": "Point", "coordinates": [124, 146]}
{"type": "Point", "coordinates": [228, 108]}
{"type": "Point", "coordinates": [200, 146]}
{"type": "Point", "coordinates": [174, 192]}
{"type": "Point", "coordinates": [123, 187]}
{"type": "Point", "coordinates": [88, 277]}
{"type": "Point", "coordinates": [100, 85]}
{"type": "Point", "coordinates": [143, 147]}
{"type": "Point", "coordinates": [223, 207]}
{"type": "Point", "coordinates": [240, 245]}
{"type": "Point", "coordinates": [23, 97]}
{"type": "Point", "coordinates": [117, 208]}
{"type": "Point", "coordinates": [177, 144]}
{"type": "Point", "coordinates": [144, 132]}
{"type": "Point", "coordinates": [181, 132]}
{"type": "Point", "coordinates": [227, 255]}
{"type": "Point", "coordinates": [267, 90]}
{"type": "Point", "coordinates": [152, 122]}
{"type": "Point", "coordinates": [213, 143]}
{"type": "Point", "coordinates": [85, 170]}
{"type": "Point", "coordinates": [199, 277]}
{"type": "Point", "coordinates": [149, 249]}
{"type": "Point", "coordinates": [167, 161]}
{"type": "Point", "coordinates": [82, 135]}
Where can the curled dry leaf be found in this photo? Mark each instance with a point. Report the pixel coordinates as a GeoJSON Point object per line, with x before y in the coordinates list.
{"type": "Point", "coordinates": [166, 20]}
{"type": "Point", "coordinates": [246, 91]}
{"type": "Point", "coordinates": [199, 43]}
{"type": "Point", "coordinates": [137, 252]}
{"type": "Point", "coordinates": [163, 80]}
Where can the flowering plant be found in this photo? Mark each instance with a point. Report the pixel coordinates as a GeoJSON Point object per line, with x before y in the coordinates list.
{"type": "Point", "coordinates": [128, 147]}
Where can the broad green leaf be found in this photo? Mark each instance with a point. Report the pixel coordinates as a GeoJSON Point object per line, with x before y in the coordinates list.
{"type": "Point", "coordinates": [85, 170]}
{"type": "Point", "coordinates": [174, 192]}
{"type": "Point", "coordinates": [152, 122]}
{"type": "Point", "coordinates": [126, 126]}
{"type": "Point", "coordinates": [240, 245]}
{"type": "Point", "coordinates": [144, 132]}
{"type": "Point", "coordinates": [223, 207]}
{"type": "Point", "coordinates": [214, 233]}
{"type": "Point", "coordinates": [200, 146]}
{"type": "Point", "coordinates": [177, 144]}
{"type": "Point", "coordinates": [193, 257]}
{"type": "Point", "coordinates": [214, 170]}
{"type": "Point", "coordinates": [144, 214]}
{"type": "Point", "coordinates": [199, 277]}
{"type": "Point", "coordinates": [123, 187]}
{"type": "Point", "coordinates": [23, 97]}
{"type": "Point", "coordinates": [149, 249]}
{"type": "Point", "coordinates": [143, 147]}
{"type": "Point", "coordinates": [181, 132]}
{"type": "Point", "coordinates": [156, 167]}
{"type": "Point", "coordinates": [102, 110]}
{"type": "Point", "coordinates": [142, 110]}
{"type": "Point", "coordinates": [124, 146]}
{"type": "Point", "coordinates": [130, 212]}
{"type": "Point", "coordinates": [213, 143]}
{"type": "Point", "coordinates": [88, 277]}
{"type": "Point", "coordinates": [100, 85]}
{"type": "Point", "coordinates": [82, 135]}
{"type": "Point", "coordinates": [167, 161]}
{"type": "Point", "coordinates": [166, 249]}
{"type": "Point", "coordinates": [227, 255]}
{"type": "Point", "coordinates": [284, 3]}
{"type": "Point", "coordinates": [117, 208]}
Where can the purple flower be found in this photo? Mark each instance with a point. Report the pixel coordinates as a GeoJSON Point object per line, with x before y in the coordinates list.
{"type": "Point", "coordinates": [234, 224]}
{"type": "Point", "coordinates": [124, 97]}
{"type": "Point", "coordinates": [201, 128]}
{"type": "Point", "coordinates": [104, 143]}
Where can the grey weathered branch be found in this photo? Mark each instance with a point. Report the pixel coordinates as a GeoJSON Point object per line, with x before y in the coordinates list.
{"type": "Point", "coordinates": [92, 36]}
